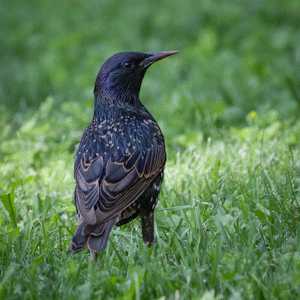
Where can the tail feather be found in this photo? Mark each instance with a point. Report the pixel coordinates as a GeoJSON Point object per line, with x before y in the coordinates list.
{"type": "Point", "coordinates": [79, 239]}
{"type": "Point", "coordinates": [97, 239]}
{"type": "Point", "coordinates": [94, 236]}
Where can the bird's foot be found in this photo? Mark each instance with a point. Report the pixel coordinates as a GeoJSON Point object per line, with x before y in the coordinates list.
{"type": "Point", "coordinates": [150, 243]}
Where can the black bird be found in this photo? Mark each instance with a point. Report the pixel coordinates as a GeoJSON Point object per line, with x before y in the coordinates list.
{"type": "Point", "coordinates": [121, 157]}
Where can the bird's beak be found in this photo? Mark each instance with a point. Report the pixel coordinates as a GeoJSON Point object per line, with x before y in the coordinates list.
{"type": "Point", "coordinates": [153, 57]}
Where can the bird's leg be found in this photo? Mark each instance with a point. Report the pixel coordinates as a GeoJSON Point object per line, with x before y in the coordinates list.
{"type": "Point", "coordinates": [147, 222]}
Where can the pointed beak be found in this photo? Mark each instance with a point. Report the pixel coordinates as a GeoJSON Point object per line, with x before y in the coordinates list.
{"type": "Point", "coordinates": [153, 57]}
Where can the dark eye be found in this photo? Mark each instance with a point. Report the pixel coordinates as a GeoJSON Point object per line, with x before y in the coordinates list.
{"type": "Point", "coordinates": [127, 65]}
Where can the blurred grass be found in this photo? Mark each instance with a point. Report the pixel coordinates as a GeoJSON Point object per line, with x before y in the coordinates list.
{"type": "Point", "coordinates": [228, 219]}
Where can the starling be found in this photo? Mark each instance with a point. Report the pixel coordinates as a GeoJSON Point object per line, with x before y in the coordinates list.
{"type": "Point", "coordinates": [120, 161]}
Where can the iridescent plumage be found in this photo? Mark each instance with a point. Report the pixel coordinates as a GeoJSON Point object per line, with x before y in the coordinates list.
{"type": "Point", "coordinates": [121, 157]}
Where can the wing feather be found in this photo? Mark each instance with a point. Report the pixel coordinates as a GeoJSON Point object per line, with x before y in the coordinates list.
{"type": "Point", "coordinates": [104, 188]}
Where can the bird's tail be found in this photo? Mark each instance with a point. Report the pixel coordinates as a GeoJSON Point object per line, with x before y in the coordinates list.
{"type": "Point", "coordinates": [94, 236]}
{"type": "Point", "coordinates": [97, 239]}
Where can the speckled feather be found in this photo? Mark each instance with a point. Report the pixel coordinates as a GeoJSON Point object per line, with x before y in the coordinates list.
{"type": "Point", "coordinates": [118, 158]}
{"type": "Point", "coordinates": [121, 157]}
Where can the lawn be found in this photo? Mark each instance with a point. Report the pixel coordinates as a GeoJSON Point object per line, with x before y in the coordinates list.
{"type": "Point", "coordinates": [228, 219]}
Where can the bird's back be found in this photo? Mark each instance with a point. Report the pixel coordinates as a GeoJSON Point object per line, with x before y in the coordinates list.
{"type": "Point", "coordinates": [121, 152]}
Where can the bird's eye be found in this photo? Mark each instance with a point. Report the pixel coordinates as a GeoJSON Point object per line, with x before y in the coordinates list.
{"type": "Point", "coordinates": [127, 65]}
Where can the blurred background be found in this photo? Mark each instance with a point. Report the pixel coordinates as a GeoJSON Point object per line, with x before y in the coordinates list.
{"type": "Point", "coordinates": [235, 57]}
{"type": "Point", "coordinates": [229, 107]}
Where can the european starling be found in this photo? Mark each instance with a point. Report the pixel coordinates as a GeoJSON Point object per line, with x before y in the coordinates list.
{"type": "Point", "coordinates": [120, 161]}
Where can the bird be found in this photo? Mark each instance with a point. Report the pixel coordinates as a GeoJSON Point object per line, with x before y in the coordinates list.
{"type": "Point", "coordinates": [120, 161]}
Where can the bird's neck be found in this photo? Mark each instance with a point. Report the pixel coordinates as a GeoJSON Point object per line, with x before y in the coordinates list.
{"type": "Point", "coordinates": [125, 91]}
{"type": "Point", "coordinates": [107, 104]}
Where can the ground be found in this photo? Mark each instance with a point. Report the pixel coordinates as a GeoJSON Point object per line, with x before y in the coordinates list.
{"type": "Point", "coordinates": [228, 220]}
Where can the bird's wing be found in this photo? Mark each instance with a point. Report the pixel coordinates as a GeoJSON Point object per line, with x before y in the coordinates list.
{"type": "Point", "coordinates": [104, 189]}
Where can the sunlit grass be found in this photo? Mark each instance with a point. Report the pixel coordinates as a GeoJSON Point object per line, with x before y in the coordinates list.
{"type": "Point", "coordinates": [229, 211]}
{"type": "Point", "coordinates": [227, 221]}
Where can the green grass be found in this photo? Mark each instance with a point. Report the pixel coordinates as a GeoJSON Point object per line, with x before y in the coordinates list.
{"type": "Point", "coordinates": [228, 220]}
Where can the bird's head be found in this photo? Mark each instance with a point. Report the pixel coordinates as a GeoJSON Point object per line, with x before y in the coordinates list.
{"type": "Point", "coordinates": [120, 77]}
